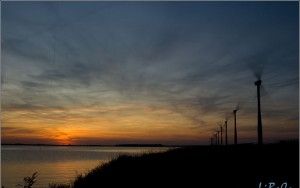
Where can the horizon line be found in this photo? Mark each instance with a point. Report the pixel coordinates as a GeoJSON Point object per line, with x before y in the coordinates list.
{"type": "Point", "coordinates": [143, 145]}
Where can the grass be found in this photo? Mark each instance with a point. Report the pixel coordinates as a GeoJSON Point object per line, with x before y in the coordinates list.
{"type": "Point", "coordinates": [239, 166]}
{"type": "Point", "coordinates": [28, 181]}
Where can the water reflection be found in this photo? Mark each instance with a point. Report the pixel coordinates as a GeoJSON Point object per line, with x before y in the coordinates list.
{"type": "Point", "coordinates": [56, 164]}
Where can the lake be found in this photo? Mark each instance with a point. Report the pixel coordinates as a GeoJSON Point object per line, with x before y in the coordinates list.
{"type": "Point", "coordinates": [57, 164]}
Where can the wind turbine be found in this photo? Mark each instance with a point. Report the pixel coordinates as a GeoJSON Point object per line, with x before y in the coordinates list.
{"type": "Point", "coordinates": [259, 121]}
{"type": "Point", "coordinates": [257, 67]}
{"type": "Point", "coordinates": [235, 131]}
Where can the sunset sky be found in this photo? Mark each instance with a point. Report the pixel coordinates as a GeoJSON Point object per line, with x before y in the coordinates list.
{"type": "Point", "coordinates": [147, 72]}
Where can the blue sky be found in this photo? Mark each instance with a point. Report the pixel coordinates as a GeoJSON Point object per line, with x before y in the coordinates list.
{"type": "Point", "coordinates": [170, 69]}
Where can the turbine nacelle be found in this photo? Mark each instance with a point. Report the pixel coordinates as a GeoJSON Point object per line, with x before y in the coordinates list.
{"type": "Point", "coordinates": [258, 82]}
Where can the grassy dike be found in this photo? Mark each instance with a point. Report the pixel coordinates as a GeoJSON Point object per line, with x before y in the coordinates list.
{"type": "Point", "coordinates": [238, 166]}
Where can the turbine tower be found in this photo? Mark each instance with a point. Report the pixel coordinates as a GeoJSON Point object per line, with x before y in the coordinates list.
{"type": "Point", "coordinates": [259, 122]}
{"type": "Point", "coordinates": [216, 138]}
{"type": "Point", "coordinates": [221, 134]}
{"type": "Point", "coordinates": [235, 132]}
{"type": "Point", "coordinates": [226, 139]}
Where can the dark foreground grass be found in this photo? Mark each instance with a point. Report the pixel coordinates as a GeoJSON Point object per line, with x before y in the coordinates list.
{"type": "Point", "coordinates": [239, 166]}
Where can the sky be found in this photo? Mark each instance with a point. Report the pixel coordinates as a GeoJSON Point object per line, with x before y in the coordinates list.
{"type": "Point", "coordinates": [147, 72]}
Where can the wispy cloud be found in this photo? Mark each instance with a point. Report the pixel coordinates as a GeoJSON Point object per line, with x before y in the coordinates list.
{"type": "Point", "coordinates": [197, 66]}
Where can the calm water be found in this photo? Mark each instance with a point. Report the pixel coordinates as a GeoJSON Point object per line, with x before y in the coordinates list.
{"type": "Point", "coordinates": [57, 164]}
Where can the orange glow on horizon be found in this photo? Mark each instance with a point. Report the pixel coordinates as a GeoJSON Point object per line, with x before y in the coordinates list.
{"type": "Point", "coordinates": [115, 124]}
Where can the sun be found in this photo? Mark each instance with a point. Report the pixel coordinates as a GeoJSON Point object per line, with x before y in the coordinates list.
{"type": "Point", "coordinates": [63, 139]}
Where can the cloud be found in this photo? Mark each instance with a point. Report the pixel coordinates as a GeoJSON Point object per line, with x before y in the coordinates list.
{"type": "Point", "coordinates": [18, 130]}
{"type": "Point", "coordinates": [199, 64]}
